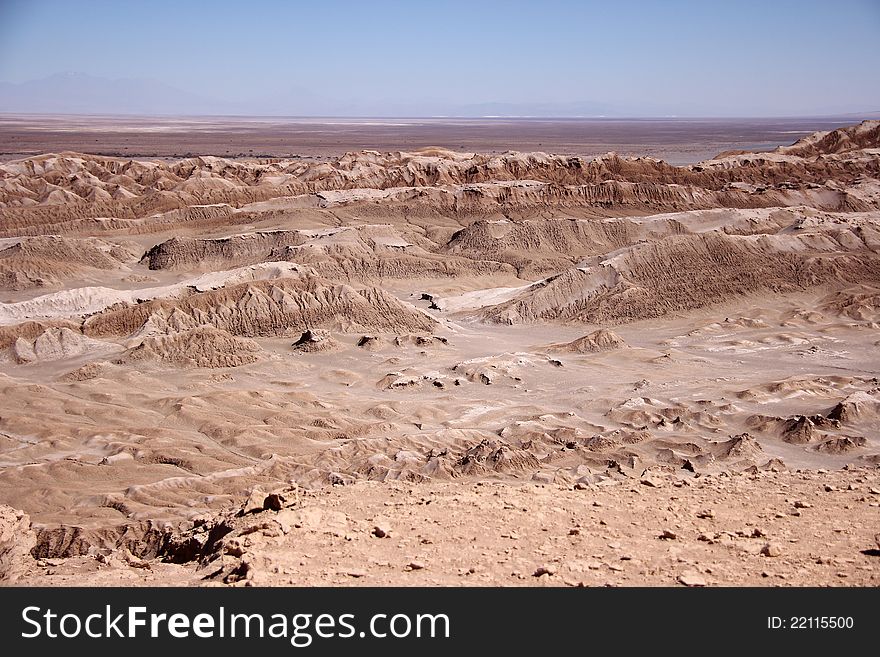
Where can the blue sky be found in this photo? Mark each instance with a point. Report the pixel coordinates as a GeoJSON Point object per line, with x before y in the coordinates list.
{"type": "Point", "coordinates": [679, 57]}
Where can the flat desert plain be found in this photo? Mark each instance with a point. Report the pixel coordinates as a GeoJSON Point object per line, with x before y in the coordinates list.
{"type": "Point", "coordinates": [447, 357]}
{"type": "Point", "coordinates": [677, 141]}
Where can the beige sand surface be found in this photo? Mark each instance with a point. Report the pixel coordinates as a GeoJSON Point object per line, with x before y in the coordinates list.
{"type": "Point", "coordinates": [514, 363]}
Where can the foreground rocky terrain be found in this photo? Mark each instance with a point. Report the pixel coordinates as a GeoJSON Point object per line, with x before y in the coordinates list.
{"type": "Point", "coordinates": [524, 343]}
{"type": "Point", "coordinates": [764, 527]}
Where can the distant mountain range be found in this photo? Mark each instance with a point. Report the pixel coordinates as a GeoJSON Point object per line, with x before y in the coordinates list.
{"type": "Point", "coordinates": [80, 93]}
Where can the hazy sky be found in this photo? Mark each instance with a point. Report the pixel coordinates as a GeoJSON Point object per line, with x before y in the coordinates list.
{"type": "Point", "coordinates": [743, 58]}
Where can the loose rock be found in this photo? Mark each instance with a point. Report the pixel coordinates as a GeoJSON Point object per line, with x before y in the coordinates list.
{"type": "Point", "coordinates": [692, 579]}
{"type": "Point", "coordinates": [771, 550]}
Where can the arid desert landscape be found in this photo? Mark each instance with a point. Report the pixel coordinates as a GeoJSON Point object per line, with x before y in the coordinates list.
{"type": "Point", "coordinates": [439, 366]}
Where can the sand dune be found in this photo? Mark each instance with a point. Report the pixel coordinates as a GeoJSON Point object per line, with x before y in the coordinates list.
{"type": "Point", "coordinates": [203, 346]}
{"type": "Point", "coordinates": [601, 340]}
{"type": "Point", "coordinates": [685, 272]}
{"type": "Point", "coordinates": [45, 261]}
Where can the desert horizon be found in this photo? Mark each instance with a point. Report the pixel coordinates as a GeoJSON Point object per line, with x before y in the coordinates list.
{"type": "Point", "coordinates": [678, 140]}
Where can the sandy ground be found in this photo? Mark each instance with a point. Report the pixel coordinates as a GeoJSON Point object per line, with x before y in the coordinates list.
{"type": "Point", "coordinates": [763, 529]}
{"type": "Point", "coordinates": [515, 364]}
